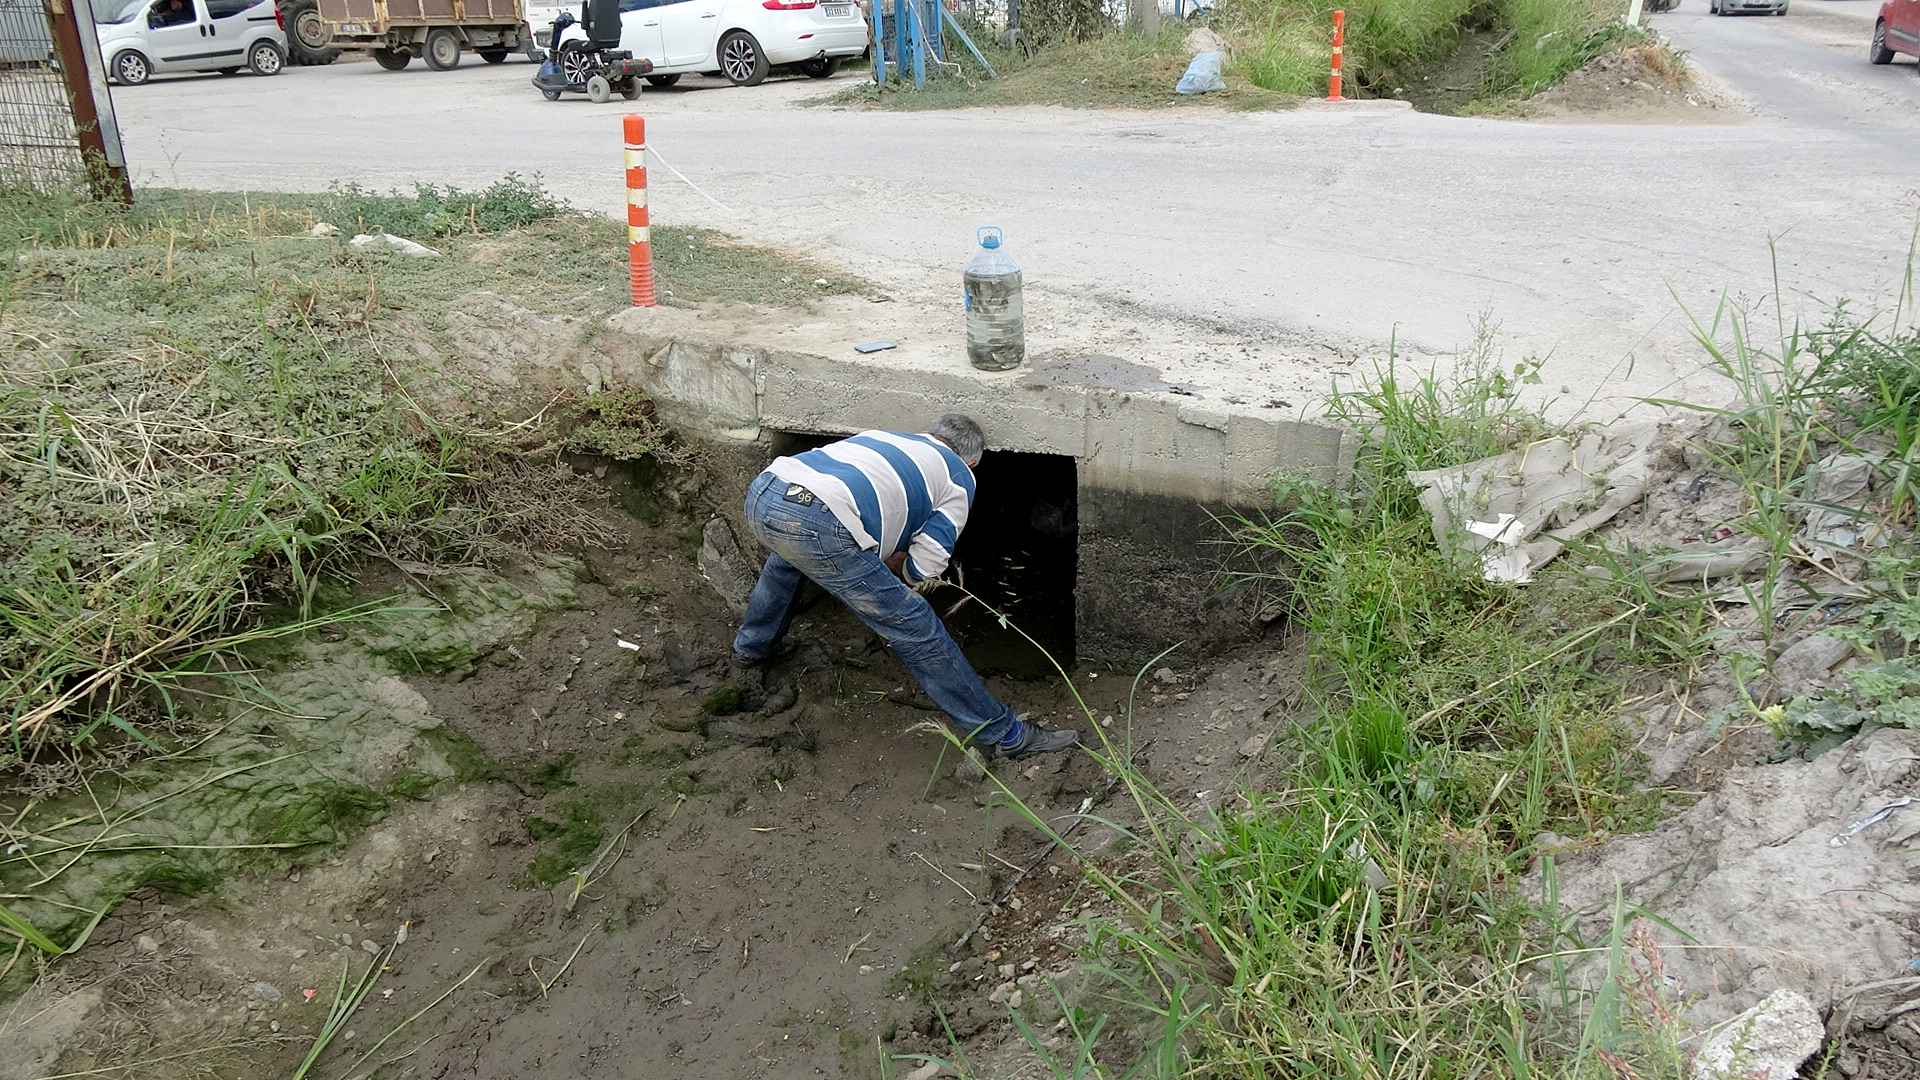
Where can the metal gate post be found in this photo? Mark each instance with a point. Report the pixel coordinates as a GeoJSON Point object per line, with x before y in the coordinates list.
{"type": "Point", "coordinates": [85, 75]}
{"type": "Point", "coordinates": [880, 42]}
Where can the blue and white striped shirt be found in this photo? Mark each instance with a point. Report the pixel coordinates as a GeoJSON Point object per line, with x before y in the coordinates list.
{"type": "Point", "coordinates": [893, 491]}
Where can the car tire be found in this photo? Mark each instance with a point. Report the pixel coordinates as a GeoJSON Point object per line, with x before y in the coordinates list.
{"type": "Point", "coordinates": [1877, 51]}
{"type": "Point", "coordinates": [309, 41]}
{"type": "Point", "coordinates": [820, 67]}
{"type": "Point", "coordinates": [392, 59]}
{"type": "Point", "coordinates": [741, 59]}
{"type": "Point", "coordinates": [599, 90]}
{"type": "Point", "coordinates": [576, 64]}
{"type": "Point", "coordinates": [229, 71]}
{"type": "Point", "coordinates": [663, 80]}
{"type": "Point", "coordinates": [494, 56]}
{"type": "Point", "coordinates": [265, 58]}
{"type": "Point", "coordinates": [131, 68]}
{"type": "Point", "coordinates": [442, 50]}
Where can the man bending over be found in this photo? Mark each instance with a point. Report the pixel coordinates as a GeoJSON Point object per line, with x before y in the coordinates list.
{"type": "Point", "coordinates": [863, 517]}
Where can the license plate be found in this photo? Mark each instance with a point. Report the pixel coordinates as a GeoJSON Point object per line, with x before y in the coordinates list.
{"type": "Point", "coordinates": [353, 28]}
{"type": "Point", "coordinates": [839, 11]}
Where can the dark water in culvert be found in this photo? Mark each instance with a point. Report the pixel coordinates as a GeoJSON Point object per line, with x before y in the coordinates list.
{"type": "Point", "coordinates": [1019, 553]}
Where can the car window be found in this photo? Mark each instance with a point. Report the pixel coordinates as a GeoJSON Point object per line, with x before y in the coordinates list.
{"type": "Point", "coordinates": [121, 11]}
{"type": "Point", "coordinates": [171, 13]}
{"type": "Point", "coordinates": [224, 9]}
{"type": "Point", "coordinates": [640, 5]}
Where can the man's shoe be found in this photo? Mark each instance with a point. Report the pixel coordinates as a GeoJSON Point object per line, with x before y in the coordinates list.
{"type": "Point", "coordinates": [781, 651]}
{"type": "Point", "coordinates": [1035, 739]}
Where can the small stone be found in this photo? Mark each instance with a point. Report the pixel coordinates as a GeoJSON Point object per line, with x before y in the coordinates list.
{"type": "Point", "coordinates": [1016, 999]}
{"type": "Point", "coordinates": [346, 939]}
{"type": "Point", "coordinates": [1252, 747]}
{"type": "Point", "coordinates": [273, 1026]}
{"type": "Point", "coordinates": [369, 947]}
{"type": "Point", "coordinates": [1006, 971]}
{"type": "Point", "coordinates": [147, 943]}
{"type": "Point", "coordinates": [1029, 965]}
{"type": "Point", "coordinates": [1164, 675]}
{"type": "Point", "coordinates": [925, 1072]}
{"type": "Point", "coordinates": [263, 991]}
{"type": "Point", "coordinates": [1015, 903]}
{"type": "Point", "coordinates": [1002, 992]}
{"type": "Point", "coordinates": [866, 969]}
{"type": "Point", "coordinates": [953, 967]}
{"type": "Point", "coordinates": [1770, 1039]}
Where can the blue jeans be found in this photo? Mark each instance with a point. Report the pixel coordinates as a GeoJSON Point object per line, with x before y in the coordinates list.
{"type": "Point", "coordinates": [807, 541]}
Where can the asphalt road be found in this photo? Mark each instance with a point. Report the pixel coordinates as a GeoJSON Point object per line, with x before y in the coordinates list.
{"type": "Point", "coordinates": [1323, 227]}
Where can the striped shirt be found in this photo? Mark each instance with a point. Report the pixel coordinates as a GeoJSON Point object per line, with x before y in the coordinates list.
{"type": "Point", "coordinates": [893, 491]}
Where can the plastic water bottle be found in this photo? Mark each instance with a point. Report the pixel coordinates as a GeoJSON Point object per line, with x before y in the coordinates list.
{"type": "Point", "coordinates": [996, 316]}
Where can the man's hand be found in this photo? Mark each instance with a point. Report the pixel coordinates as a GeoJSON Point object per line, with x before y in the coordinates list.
{"type": "Point", "coordinates": [897, 562]}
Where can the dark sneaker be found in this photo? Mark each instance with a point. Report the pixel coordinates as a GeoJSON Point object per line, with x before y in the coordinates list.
{"type": "Point", "coordinates": [781, 651]}
{"type": "Point", "coordinates": [1035, 739]}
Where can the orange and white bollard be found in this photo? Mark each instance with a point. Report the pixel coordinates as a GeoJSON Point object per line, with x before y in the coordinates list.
{"type": "Point", "coordinates": [639, 243]}
{"type": "Point", "coordinates": [1339, 47]}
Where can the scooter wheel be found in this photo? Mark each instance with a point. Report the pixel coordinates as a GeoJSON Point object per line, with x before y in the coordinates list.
{"type": "Point", "coordinates": [551, 95]}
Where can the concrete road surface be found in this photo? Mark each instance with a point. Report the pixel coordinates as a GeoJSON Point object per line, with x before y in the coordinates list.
{"type": "Point", "coordinates": [1321, 232]}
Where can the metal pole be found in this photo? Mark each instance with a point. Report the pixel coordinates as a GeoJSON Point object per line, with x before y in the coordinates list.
{"type": "Point", "coordinates": [105, 162]}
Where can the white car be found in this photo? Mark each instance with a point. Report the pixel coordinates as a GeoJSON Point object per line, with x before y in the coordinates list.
{"type": "Point", "coordinates": [741, 39]}
{"type": "Point", "coordinates": [142, 38]}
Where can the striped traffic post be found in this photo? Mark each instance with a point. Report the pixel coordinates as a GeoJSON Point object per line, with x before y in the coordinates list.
{"type": "Point", "coordinates": [1339, 47]}
{"type": "Point", "coordinates": [639, 245]}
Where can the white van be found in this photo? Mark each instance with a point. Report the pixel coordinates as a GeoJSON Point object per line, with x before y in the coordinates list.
{"type": "Point", "coordinates": [143, 38]}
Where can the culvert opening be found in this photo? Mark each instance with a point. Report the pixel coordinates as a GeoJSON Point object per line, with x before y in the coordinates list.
{"type": "Point", "coordinates": [1019, 555]}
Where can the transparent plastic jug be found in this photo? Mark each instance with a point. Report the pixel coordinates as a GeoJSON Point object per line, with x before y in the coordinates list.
{"type": "Point", "coordinates": [996, 316]}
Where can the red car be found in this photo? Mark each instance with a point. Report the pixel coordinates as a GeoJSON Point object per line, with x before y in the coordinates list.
{"type": "Point", "coordinates": [1897, 30]}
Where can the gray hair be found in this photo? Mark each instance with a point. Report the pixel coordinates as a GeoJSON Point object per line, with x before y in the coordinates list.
{"type": "Point", "coordinates": [962, 434]}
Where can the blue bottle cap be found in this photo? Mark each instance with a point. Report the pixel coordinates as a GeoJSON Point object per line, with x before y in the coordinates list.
{"type": "Point", "coordinates": [989, 236]}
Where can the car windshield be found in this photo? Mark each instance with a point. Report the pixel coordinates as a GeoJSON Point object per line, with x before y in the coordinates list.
{"type": "Point", "coordinates": [119, 11]}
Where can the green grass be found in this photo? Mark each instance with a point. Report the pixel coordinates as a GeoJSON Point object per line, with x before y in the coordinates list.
{"type": "Point", "coordinates": [207, 411]}
{"type": "Point", "coordinates": [1110, 71]}
{"type": "Point", "coordinates": [1277, 53]}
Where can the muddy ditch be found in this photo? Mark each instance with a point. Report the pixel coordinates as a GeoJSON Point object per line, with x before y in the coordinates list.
{"type": "Point", "coordinates": [763, 895]}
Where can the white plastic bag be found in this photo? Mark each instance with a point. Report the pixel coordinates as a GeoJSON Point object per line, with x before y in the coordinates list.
{"type": "Point", "coordinates": [1203, 75]}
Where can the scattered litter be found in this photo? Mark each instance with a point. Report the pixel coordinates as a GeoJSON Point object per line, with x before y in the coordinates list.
{"type": "Point", "coordinates": [1538, 485]}
{"type": "Point", "coordinates": [1203, 75]}
{"type": "Point", "coordinates": [16, 848]}
{"type": "Point", "coordinates": [398, 244]}
{"type": "Point", "coordinates": [307, 994]}
{"type": "Point", "coordinates": [625, 644]}
{"type": "Point", "coordinates": [1836, 483]}
{"type": "Point", "coordinates": [874, 346]}
{"type": "Point", "coordinates": [821, 282]}
{"type": "Point", "coordinates": [1874, 818]}
{"type": "Point", "coordinates": [321, 228]}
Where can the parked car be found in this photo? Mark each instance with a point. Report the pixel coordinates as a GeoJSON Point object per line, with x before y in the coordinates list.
{"type": "Point", "coordinates": [1764, 7]}
{"type": "Point", "coordinates": [1896, 30]}
{"type": "Point", "coordinates": [743, 40]}
{"type": "Point", "coordinates": [142, 38]}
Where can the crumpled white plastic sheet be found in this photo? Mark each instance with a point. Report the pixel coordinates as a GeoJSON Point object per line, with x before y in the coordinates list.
{"type": "Point", "coordinates": [1499, 509]}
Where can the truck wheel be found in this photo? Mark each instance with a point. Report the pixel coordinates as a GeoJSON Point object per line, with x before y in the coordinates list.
{"type": "Point", "coordinates": [443, 50]}
{"type": "Point", "coordinates": [265, 58]}
{"type": "Point", "coordinates": [392, 59]}
{"type": "Point", "coordinates": [494, 56]}
{"type": "Point", "coordinates": [309, 39]}
{"type": "Point", "coordinates": [131, 68]}
{"type": "Point", "coordinates": [599, 91]}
